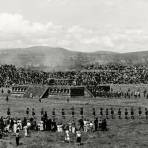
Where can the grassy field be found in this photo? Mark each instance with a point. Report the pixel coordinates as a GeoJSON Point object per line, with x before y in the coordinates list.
{"type": "Point", "coordinates": [122, 133]}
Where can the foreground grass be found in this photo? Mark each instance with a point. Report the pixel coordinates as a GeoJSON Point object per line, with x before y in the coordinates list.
{"type": "Point", "coordinates": [122, 133]}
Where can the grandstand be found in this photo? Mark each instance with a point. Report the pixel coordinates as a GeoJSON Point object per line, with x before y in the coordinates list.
{"type": "Point", "coordinates": [28, 91]}
{"type": "Point", "coordinates": [19, 90]}
{"type": "Point", "coordinates": [38, 91]}
{"type": "Point", "coordinates": [96, 81]}
{"type": "Point", "coordinates": [68, 91]}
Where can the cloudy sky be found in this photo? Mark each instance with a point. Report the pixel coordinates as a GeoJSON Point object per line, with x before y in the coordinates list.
{"type": "Point", "coordinates": [82, 25]}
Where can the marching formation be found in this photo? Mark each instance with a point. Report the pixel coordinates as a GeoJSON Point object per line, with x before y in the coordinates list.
{"type": "Point", "coordinates": [72, 128]}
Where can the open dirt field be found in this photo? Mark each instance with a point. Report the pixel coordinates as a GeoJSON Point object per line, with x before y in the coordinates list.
{"type": "Point", "coordinates": [123, 133]}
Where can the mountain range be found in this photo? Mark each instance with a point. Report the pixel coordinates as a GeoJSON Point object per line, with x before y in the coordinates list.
{"type": "Point", "coordinates": [48, 58]}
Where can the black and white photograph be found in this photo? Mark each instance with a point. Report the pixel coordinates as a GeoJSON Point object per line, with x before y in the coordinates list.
{"type": "Point", "coordinates": [73, 73]}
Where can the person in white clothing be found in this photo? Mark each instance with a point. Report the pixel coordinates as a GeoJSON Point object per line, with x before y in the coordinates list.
{"type": "Point", "coordinates": [73, 128]}
{"type": "Point", "coordinates": [38, 127]}
{"type": "Point", "coordinates": [70, 127]}
{"type": "Point", "coordinates": [78, 136]}
{"type": "Point", "coordinates": [7, 128]}
{"type": "Point", "coordinates": [67, 136]}
{"type": "Point", "coordinates": [14, 127]}
{"type": "Point", "coordinates": [58, 128]}
{"type": "Point", "coordinates": [28, 128]}
{"type": "Point", "coordinates": [25, 131]}
{"type": "Point", "coordinates": [41, 126]}
{"type": "Point", "coordinates": [91, 126]}
{"type": "Point", "coordinates": [19, 123]}
{"type": "Point", "coordinates": [61, 128]}
{"type": "Point", "coordinates": [85, 125]}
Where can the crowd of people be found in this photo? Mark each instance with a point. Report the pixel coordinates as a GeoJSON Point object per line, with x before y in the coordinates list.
{"type": "Point", "coordinates": [118, 93]}
{"type": "Point", "coordinates": [89, 75]}
{"type": "Point", "coordinates": [23, 127]}
{"type": "Point", "coordinates": [70, 128]}
{"type": "Point", "coordinates": [10, 75]}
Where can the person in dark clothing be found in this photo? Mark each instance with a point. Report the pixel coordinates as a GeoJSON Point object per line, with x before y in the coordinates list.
{"type": "Point", "coordinates": [2, 124]}
{"type": "Point", "coordinates": [2, 91]}
{"type": "Point", "coordinates": [7, 98]}
{"type": "Point", "coordinates": [48, 124]}
{"type": "Point", "coordinates": [11, 123]}
{"type": "Point", "coordinates": [53, 113]}
{"type": "Point", "coordinates": [101, 112]}
{"type": "Point", "coordinates": [96, 124]}
{"type": "Point", "coordinates": [119, 113]}
{"type": "Point", "coordinates": [146, 113]}
{"type": "Point", "coordinates": [126, 113]}
{"type": "Point", "coordinates": [81, 112]}
{"type": "Point", "coordinates": [104, 125]}
{"type": "Point", "coordinates": [45, 115]}
{"type": "Point", "coordinates": [144, 93]}
{"type": "Point", "coordinates": [33, 112]}
{"type": "Point", "coordinates": [94, 112]}
{"type": "Point", "coordinates": [8, 112]}
{"type": "Point", "coordinates": [17, 137]}
{"type": "Point", "coordinates": [112, 113]}
{"type": "Point", "coordinates": [81, 122]}
{"type": "Point", "coordinates": [63, 113]}
{"type": "Point", "coordinates": [78, 137]}
{"type": "Point", "coordinates": [132, 113]}
{"type": "Point", "coordinates": [44, 124]}
{"type": "Point", "coordinates": [140, 112]}
{"type": "Point", "coordinates": [72, 112]}
{"type": "Point", "coordinates": [1, 134]}
{"type": "Point", "coordinates": [27, 111]}
{"type": "Point", "coordinates": [147, 96]}
{"type": "Point", "coordinates": [8, 91]}
{"type": "Point", "coordinates": [54, 126]}
{"type": "Point", "coordinates": [34, 124]}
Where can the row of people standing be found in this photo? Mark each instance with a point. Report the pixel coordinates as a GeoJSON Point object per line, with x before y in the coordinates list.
{"type": "Point", "coordinates": [126, 113]}
{"type": "Point", "coordinates": [111, 113]}
{"type": "Point", "coordinates": [108, 112]}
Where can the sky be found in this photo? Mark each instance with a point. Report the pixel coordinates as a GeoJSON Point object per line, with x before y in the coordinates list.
{"type": "Point", "coordinates": [79, 25]}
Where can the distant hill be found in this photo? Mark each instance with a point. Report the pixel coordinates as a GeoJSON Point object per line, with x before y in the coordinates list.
{"type": "Point", "coordinates": [48, 58]}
